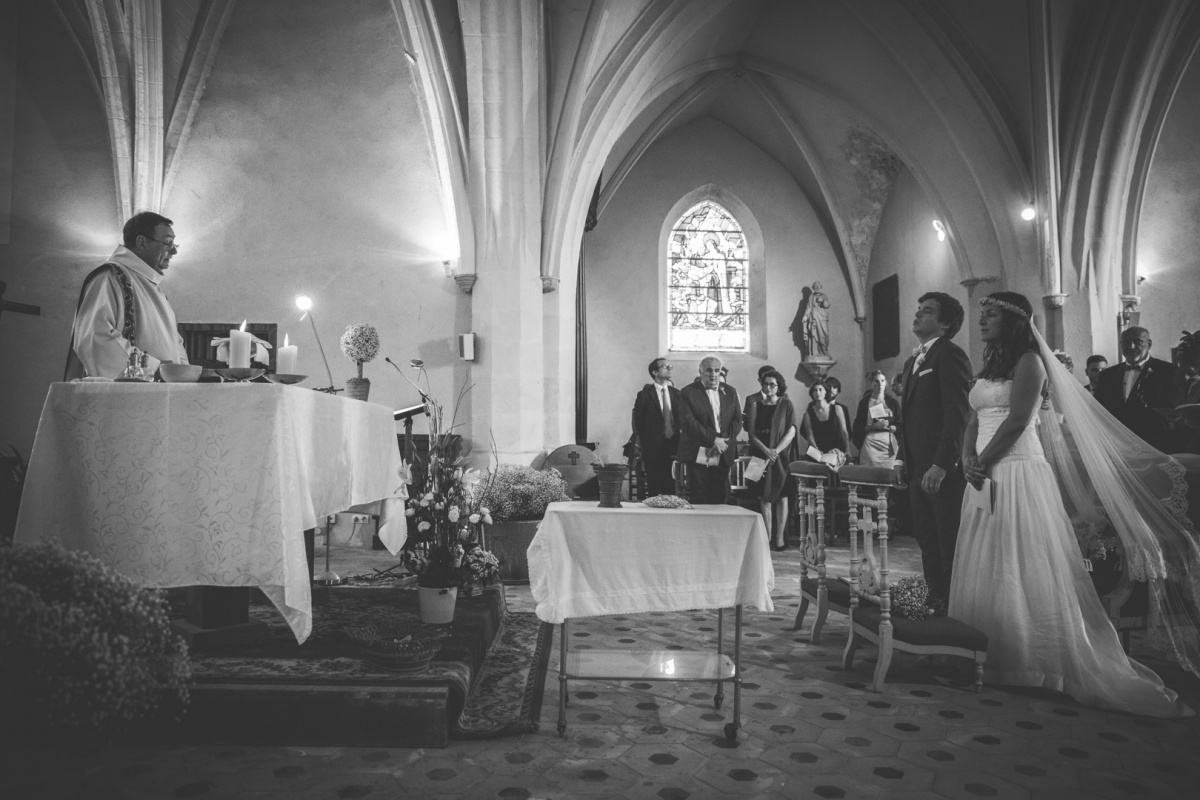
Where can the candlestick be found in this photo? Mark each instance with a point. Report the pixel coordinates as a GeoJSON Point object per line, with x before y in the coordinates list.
{"type": "Point", "coordinates": [239, 348]}
{"type": "Point", "coordinates": [285, 363]}
{"type": "Point", "coordinates": [304, 303]}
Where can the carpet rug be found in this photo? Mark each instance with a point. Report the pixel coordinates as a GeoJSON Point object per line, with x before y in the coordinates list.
{"type": "Point", "coordinates": [493, 661]}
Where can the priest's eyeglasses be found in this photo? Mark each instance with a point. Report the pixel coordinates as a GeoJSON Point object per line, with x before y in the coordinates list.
{"type": "Point", "coordinates": [172, 246]}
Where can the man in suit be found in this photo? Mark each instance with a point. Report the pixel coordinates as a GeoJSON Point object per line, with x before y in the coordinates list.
{"type": "Point", "coordinates": [1133, 389]}
{"type": "Point", "coordinates": [710, 417]}
{"type": "Point", "coordinates": [1095, 365]}
{"type": "Point", "coordinates": [936, 380]}
{"type": "Point", "coordinates": [656, 424]}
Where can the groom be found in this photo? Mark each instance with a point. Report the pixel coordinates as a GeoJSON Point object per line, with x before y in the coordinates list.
{"type": "Point", "coordinates": [934, 413]}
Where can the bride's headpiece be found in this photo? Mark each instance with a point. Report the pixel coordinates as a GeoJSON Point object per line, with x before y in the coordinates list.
{"type": "Point", "coordinates": [1007, 306]}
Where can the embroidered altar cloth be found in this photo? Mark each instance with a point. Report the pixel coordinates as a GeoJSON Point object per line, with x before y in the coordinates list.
{"type": "Point", "coordinates": [588, 561]}
{"type": "Point", "coordinates": [206, 484]}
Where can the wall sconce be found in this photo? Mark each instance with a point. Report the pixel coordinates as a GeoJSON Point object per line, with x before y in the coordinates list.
{"type": "Point", "coordinates": [941, 230]}
{"type": "Point", "coordinates": [448, 265]}
{"type": "Point", "coordinates": [411, 58]}
{"type": "Point", "coordinates": [1028, 213]}
{"type": "Point", "coordinates": [1141, 279]}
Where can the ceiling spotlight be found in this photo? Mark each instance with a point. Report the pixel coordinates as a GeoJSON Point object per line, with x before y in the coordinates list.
{"type": "Point", "coordinates": [941, 230]}
{"type": "Point", "coordinates": [1028, 213]}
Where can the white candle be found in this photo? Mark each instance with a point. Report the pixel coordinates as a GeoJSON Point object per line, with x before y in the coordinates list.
{"type": "Point", "coordinates": [286, 360]}
{"type": "Point", "coordinates": [239, 349]}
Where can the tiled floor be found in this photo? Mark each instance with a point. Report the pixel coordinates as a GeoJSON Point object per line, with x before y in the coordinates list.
{"type": "Point", "coordinates": [810, 730]}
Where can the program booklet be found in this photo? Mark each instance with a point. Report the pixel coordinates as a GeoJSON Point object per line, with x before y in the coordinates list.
{"type": "Point", "coordinates": [984, 497]}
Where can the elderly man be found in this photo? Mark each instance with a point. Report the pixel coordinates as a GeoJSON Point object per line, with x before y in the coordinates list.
{"type": "Point", "coordinates": [1132, 390]}
{"type": "Point", "coordinates": [121, 307]}
{"type": "Point", "coordinates": [710, 419]}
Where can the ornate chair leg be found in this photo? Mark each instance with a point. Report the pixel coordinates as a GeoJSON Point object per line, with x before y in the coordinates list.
{"type": "Point", "coordinates": [885, 657]}
{"type": "Point", "coordinates": [978, 684]}
{"type": "Point", "coordinates": [800, 614]}
{"type": "Point", "coordinates": [822, 613]}
{"type": "Point", "coordinates": [851, 646]}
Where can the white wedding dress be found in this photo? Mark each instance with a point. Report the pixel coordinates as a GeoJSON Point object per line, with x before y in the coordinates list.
{"type": "Point", "coordinates": [1019, 578]}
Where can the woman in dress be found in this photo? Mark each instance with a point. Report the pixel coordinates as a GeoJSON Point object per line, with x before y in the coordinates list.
{"type": "Point", "coordinates": [1018, 571]}
{"type": "Point", "coordinates": [772, 430]}
{"type": "Point", "coordinates": [834, 387]}
{"type": "Point", "coordinates": [875, 424]}
{"type": "Point", "coordinates": [822, 426]}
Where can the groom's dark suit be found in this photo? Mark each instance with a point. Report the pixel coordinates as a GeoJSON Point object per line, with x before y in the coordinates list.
{"type": "Point", "coordinates": [934, 412]}
{"type": "Point", "coordinates": [699, 429]}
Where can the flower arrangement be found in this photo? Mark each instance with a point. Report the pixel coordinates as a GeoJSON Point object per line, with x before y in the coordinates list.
{"type": "Point", "coordinates": [448, 509]}
{"type": "Point", "coordinates": [910, 597]}
{"type": "Point", "coordinates": [360, 343]}
{"type": "Point", "coordinates": [1096, 543]}
{"type": "Point", "coordinates": [82, 647]}
{"type": "Point", "coordinates": [522, 493]}
{"type": "Point", "coordinates": [479, 568]}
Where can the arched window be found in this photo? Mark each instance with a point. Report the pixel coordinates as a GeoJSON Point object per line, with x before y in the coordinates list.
{"type": "Point", "coordinates": [708, 277]}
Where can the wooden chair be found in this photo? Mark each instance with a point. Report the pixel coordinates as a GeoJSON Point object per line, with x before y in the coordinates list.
{"type": "Point", "coordinates": [812, 487]}
{"type": "Point", "coordinates": [679, 471]}
{"type": "Point", "coordinates": [870, 592]}
{"type": "Point", "coordinates": [738, 487]}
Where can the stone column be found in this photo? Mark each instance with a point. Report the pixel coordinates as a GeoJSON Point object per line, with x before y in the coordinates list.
{"type": "Point", "coordinates": [505, 113]}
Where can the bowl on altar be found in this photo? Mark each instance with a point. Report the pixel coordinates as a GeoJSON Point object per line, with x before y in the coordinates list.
{"type": "Point", "coordinates": [241, 373]}
{"type": "Point", "coordinates": [286, 380]}
{"type": "Point", "coordinates": [180, 373]}
{"type": "Point", "coordinates": [405, 645]}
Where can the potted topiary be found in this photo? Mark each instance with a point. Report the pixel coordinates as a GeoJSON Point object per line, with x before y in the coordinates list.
{"type": "Point", "coordinates": [517, 498]}
{"type": "Point", "coordinates": [84, 651]}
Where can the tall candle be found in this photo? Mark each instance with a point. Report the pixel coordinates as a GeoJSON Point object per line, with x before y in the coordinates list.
{"type": "Point", "coordinates": [285, 363]}
{"type": "Point", "coordinates": [239, 349]}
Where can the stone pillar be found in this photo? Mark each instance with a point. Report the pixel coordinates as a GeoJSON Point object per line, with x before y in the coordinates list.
{"type": "Point", "coordinates": [505, 112]}
{"type": "Point", "coordinates": [976, 288]}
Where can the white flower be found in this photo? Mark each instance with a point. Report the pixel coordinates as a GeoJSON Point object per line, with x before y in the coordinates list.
{"type": "Point", "coordinates": [453, 514]}
{"type": "Point", "coordinates": [423, 526]}
{"type": "Point", "coordinates": [484, 510]}
{"type": "Point", "coordinates": [439, 506]}
{"type": "Point", "coordinates": [474, 519]}
{"type": "Point", "coordinates": [428, 496]}
{"type": "Point", "coordinates": [408, 512]}
{"type": "Point", "coordinates": [360, 342]}
{"type": "Point", "coordinates": [424, 503]}
{"type": "Point", "coordinates": [487, 519]}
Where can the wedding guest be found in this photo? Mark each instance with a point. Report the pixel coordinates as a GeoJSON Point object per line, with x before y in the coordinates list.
{"type": "Point", "coordinates": [709, 421]}
{"type": "Point", "coordinates": [772, 430]}
{"type": "Point", "coordinates": [933, 410]}
{"type": "Point", "coordinates": [122, 307]}
{"type": "Point", "coordinates": [755, 397]}
{"type": "Point", "coordinates": [874, 432]}
{"type": "Point", "coordinates": [835, 388]}
{"type": "Point", "coordinates": [1131, 391]}
{"type": "Point", "coordinates": [822, 426]}
{"type": "Point", "coordinates": [1095, 365]}
{"type": "Point", "coordinates": [656, 424]}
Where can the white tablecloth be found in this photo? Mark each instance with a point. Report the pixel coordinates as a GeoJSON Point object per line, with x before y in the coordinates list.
{"type": "Point", "coordinates": [206, 484]}
{"type": "Point", "coordinates": [587, 561]}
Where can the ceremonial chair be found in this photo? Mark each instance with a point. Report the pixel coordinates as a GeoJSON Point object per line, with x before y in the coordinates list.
{"type": "Point", "coordinates": [812, 486]}
{"type": "Point", "coordinates": [680, 472]}
{"type": "Point", "coordinates": [870, 611]}
{"type": "Point", "coordinates": [738, 487]}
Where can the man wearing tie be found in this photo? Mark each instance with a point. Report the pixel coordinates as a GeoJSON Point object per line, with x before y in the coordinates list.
{"type": "Point", "coordinates": [1133, 389]}
{"type": "Point", "coordinates": [656, 424]}
{"type": "Point", "coordinates": [710, 419]}
{"type": "Point", "coordinates": [934, 410]}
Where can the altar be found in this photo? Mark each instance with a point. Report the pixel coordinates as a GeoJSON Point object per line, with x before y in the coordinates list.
{"type": "Point", "coordinates": [207, 484]}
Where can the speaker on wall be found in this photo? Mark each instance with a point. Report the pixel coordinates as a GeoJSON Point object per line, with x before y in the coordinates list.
{"type": "Point", "coordinates": [466, 346]}
{"type": "Point", "coordinates": [885, 318]}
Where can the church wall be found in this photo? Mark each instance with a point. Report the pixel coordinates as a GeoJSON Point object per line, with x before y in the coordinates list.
{"type": "Point", "coordinates": [64, 214]}
{"type": "Point", "coordinates": [907, 245]}
{"type": "Point", "coordinates": [308, 171]}
{"type": "Point", "coordinates": [1168, 251]}
{"type": "Point", "coordinates": [623, 265]}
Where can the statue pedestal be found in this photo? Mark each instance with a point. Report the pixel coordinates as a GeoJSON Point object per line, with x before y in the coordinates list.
{"type": "Point", "coordinates": [814, 368]}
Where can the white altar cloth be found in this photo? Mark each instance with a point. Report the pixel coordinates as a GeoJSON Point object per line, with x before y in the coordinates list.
{"type": "Point", "coordinates": [206, 484]}
{"type": "Point", "coordinates": [588, 561]}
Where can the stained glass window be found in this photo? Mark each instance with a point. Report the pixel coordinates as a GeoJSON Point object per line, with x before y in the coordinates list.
{"type": "Point", "coordinates": [707, 282]}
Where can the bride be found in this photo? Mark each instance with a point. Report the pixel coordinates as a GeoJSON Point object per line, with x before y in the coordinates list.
{"type": "Point", "coordinates": [1018, 571]}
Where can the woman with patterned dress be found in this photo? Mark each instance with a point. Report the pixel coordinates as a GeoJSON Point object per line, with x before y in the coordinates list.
{"type": "Point", "coordinates": [1018, 570]}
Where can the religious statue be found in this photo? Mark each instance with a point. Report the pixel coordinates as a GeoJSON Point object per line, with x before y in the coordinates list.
{"type": "Point", "coordinates": [810, 328]}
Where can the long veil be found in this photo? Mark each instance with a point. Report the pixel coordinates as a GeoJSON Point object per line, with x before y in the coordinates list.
{"type": "Point", "coordinates": [1109, 475]}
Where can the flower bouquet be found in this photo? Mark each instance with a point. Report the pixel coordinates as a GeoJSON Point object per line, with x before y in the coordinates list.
{"type": "Point", "coordinates": [360, 343]}
{"type": "Point", "coordinates": [910, 598]}
{"type": "Point", "coordinates": [480, 568]}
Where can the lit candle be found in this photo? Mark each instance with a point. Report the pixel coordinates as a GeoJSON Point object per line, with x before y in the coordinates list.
{"type": "Point", "coordinates": [285, 363]}
{"type": "Point", "coordinates": [239, 348]}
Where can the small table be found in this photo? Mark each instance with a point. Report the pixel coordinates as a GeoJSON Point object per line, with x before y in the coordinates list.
{"type": "Point", "coordinates": [589, 561]}
{"type": "Point", "coordinates": [206, 484]}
